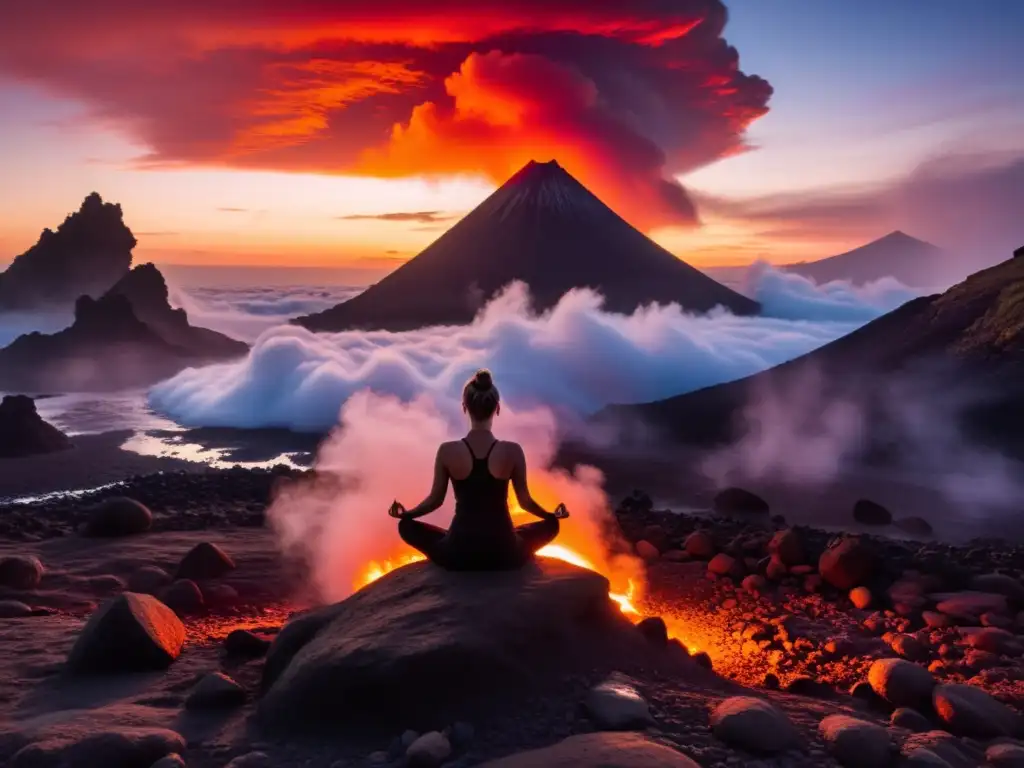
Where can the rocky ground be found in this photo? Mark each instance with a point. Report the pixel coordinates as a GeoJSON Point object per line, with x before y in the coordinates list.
{"type": "Point", "coordinates": [806, 648]}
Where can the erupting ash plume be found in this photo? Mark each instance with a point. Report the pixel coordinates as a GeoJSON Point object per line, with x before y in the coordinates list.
{"type": "Point", "coordinates": [626, 95]}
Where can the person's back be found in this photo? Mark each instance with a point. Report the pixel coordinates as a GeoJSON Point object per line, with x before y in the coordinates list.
{"type": "Point", "coordinates": [480, 468]}
{"type": "Point", "coordinates": [482, 524]}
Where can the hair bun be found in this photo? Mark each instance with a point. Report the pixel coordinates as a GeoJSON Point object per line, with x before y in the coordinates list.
{"type": "Point", "coordinates": [483, 381]}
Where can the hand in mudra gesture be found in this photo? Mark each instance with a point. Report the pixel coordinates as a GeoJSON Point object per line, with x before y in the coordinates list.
{"type": "Point", "coordinates": [396, 510]}
{"type": "Point", "coordinates": [561, 512]}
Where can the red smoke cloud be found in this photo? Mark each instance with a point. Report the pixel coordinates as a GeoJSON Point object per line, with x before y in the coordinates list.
{"type": "Point", "coordinates": [624, 95]}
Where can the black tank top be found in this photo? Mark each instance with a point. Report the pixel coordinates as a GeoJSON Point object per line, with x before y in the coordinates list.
{"type": "Point", "coordinates": [482, 520]}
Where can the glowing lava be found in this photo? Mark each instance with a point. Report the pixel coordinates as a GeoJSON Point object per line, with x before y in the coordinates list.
{"type": "Point", "coordinates": [375, 569]}
{"type": "Point", "coordinates": [559, 552]}
{"type": "Point", "coordinates": [625, 575]}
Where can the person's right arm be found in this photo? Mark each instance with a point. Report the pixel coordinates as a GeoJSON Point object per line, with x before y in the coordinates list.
{"type": "Point", "coordinates": [522, 489]}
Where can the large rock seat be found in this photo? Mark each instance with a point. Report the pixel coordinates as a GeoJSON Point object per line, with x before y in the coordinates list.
{"type": "Point", "coordinates": [422, 640]}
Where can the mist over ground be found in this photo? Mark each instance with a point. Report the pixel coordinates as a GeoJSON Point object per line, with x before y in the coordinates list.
{"type": "Point", "coordinates": [246, 312]}
{"type": "Point", "coordinates": [574, 359]}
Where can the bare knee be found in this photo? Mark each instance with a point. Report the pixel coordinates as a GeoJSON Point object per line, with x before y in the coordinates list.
{"type": "Point", "coordinates": [407, 527]}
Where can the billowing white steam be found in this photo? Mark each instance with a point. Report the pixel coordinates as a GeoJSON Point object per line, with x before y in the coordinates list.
{"type": "Point", "coordinates": [576, 358]}
{"type": "Point", "coordinates": [398, 397]}
{"type": "Point", "coordinates": [246, 312]}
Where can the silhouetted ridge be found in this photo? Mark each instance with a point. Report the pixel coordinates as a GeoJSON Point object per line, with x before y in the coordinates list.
{"type": "Point", "coordinates": [23, 431]}
{"type": "Point", "coordinates": [90, 251]}
{"type": "Point", "coordinates": [971, 336]}
{"type": "Point", "coordinates": [129, 337]}
{"type": "Point", "coordinates": [911, 261]}
{"type": "Point", "coordinates": [541, 227]}
{"type": "Point", "coordinates": [147, 291]}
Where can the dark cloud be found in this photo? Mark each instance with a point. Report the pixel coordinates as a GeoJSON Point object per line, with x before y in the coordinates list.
{"type": "Point", "coordinates": [422, 217]}
{"type": "Point", "coordinates": [626, 96]}
{"type": "Point", "coordinates": [233, 210]}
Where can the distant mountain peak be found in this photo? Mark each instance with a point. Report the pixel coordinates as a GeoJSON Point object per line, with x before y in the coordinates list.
{"type": "Point", "coordinates": [537, 171]}
{"type": "Point", "coordinates": [909, 259]}
{"type": "Point", "coordinates": [544, 228]}
{"type": "Point", "coordinates": [897, 235]}
{"type": "Point", "coordinates": [544, 185]}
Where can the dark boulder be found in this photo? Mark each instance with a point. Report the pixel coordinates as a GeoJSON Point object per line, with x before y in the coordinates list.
{"type": "Point", "coordinates": [654, 629]}
{"type": "Point", "coordinates": [22, 572]}
{"type": "Point", "coordinates": [787, 547]}
{"type": "Point", "coordinates": [847, 563]}
{"type": "Point", "coordinates": [149, 579]}
{"type": "Point", "coordinates": [737, 501]}
{"type": "Point", "coordinates": [215, 691]}
{"type": "Point", "coordinates": [118, 516]}
{"type": "Point", "coordinates": [422, 639]}
{"type": "Point", "coordinates": [126, 747]}
{"type": "Point", "coordinates": [205, 561]}
{"type": "Point", "coordinates": [23, 431]}
{"type": "Point", "coordinates": [130, 633]}
{"type": "Point", "coordinates": [184, 597]}
{"type": "Point", "coordinates": [598, 750]}
{"type": "Point", "coordinates": [14, 609]}
{"type": "Point", "coordinates": [915, 526]}
{"type": "Point", "coordinates": [867, 512]}
{"type": "Point", "coordinates": [242, 642]}
{"type": "Point", "coordinates": [969, 711]}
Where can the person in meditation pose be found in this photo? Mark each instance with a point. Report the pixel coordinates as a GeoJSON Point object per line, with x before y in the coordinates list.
{"type": "Point", "coordinates": [480, 467]}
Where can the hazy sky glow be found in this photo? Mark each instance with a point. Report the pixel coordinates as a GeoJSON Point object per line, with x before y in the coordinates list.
{"type": "Point", "coordinates": [273, 132]}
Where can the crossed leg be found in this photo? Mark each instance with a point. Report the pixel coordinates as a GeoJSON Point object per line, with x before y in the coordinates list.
{"type": "Point", "coordinates": [426, 538]}
{"type": "Point", "coordinates": [535, 536]}
{"type": "Point", "coordinates": [431, 541]}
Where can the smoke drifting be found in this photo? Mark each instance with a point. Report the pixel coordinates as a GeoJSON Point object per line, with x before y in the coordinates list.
{"type": "Point", "coordinates": [789, 296]}
{"type": "Point", "coordinates": [625, 96]}
{"type": "Point", "coordinates": [337, 524]}
{"type": "Point", "coordinates": [813, 427]}
{"type": "Point", "coordinates": [574, 359]}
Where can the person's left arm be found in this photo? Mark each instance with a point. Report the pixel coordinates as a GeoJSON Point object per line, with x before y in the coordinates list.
{"type": "Point", "coordinates": [437, 494]}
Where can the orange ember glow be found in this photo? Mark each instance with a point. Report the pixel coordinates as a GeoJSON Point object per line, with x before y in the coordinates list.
{"type": "Point", "coordinates": [375, 569]}
{"type": "Point", "coordinates": [573, 541]}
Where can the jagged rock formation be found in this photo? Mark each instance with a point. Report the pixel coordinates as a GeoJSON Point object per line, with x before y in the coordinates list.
{"type": "Point", "coordinates": [911, 261]}
{"type": "Point", "coordinates": [110, 346]}
{"type": "Point", "coordinates": [87, 254]}
{"type": "Point", "coordinates": [541, 227]}
{"type": "Point", "coordinates": [966, 344]}
{"type": "Point", "coordinates": [146, 289]}
{"type": "Point", "coordinates": [23, 431]}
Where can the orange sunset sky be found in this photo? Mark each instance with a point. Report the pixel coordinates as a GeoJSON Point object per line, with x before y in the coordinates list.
{"type": "Point", "coordinates": [345, 133]}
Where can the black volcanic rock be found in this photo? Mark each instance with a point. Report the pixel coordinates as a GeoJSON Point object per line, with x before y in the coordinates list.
{"type": "Point", "coordinates": [146, 289]}
{"type": "Point", "coordinates": [401, 647]}
{"type": "Point", "coordinates": [909, 260]}
{"type": "Point", "coordinates": [87, 254]}
{"type": "Point", "coordinates": [23, 431]}
{"type": "Point", "coordinates": [108, 347]}
{"type": "Point", "coordinates": [970, 337]}
{"type": "Point", "coordinates": [544, 228]}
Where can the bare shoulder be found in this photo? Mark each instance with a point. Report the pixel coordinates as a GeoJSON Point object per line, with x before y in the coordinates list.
{"type": "Point", "coordinates": [510, 448]}
{"type": "Point", "coordinates": [445, 449]}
